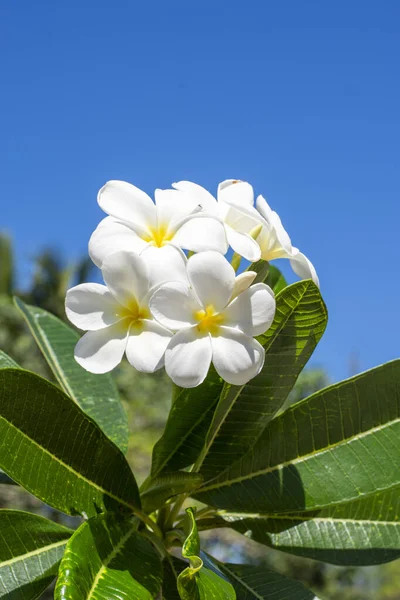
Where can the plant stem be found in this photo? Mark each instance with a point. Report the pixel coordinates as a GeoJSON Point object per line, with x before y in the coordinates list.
{"type": "Point", "coordinates": [149, 522]}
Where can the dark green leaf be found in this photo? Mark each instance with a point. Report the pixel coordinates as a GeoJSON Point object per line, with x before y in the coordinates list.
{"type": "Point", "coordinates": [108, 558]}
{"type": "Point", "coordinates": [268, 274]}
{"type": "Point", "coordinates": [30, 550]}
{"type": "Point", "coordinates": [53, 449]}
{"type": "Point", "coordinates": [6, 361]}
{"type": "Point", "coordinates": [197, 582]}
{"type": "Point", "coordinates": [96, 394]}
{"type": "Point", "coordinates": [361, 532]}
{"type": "Point", "coordinates": [258, 583]}
{"type": "Point", "coordinates": [172, 567]}
{"type": "Point", "coordinates": [168, 485]}
{"type": "Point", "coordinates": [341, 444]}
{"type": "Point", "coordinates": [243, 412]}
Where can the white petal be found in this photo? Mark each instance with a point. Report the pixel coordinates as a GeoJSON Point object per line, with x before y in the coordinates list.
{"type": "Point", "coordinates": [252, 311]}
{"type": "Point", "coordinates": [237, 357]}
{"type": "Point", "coordinates": [90, 306]}
{"type": "Point", "coordinates": [127, 203]}
{"type": "Point", "coordinates": [110, 236]}
{"type": "Point", "coordinates": [165, 263]}
{"type": "Point", "coordinates": [200, 233]}
{"type": "Point", "coordinates": [212, 278]}
{"type": "Point", "coordinates": [100, 351]}
{"type": "Point", "coordinates": [233, 190]}
{"type": "Point", "coordinates": [264, 208]}
{"type": "Point", "coordinates": [201, 195]}
{"type": "Point", "coordinates": [173, 206]}
{"type": "Point", "coordinates": [174, 305]}
{"type": "Point", "coordinates": [280, 232]}
{"type": "Point", "coordinates": [303, 267]}
{"type": "Point", "coordinates": [146, 346]}
{"type": "Point", "coordinates": [243, 244]}
{"type": "Point", "coordinates": [242, 282]}
{"type": "Point", "coordinates": [188, 357]}
{"type": "Point", "coordinates": [125, 275]}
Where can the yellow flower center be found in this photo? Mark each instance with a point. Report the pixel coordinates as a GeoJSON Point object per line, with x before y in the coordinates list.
{"type": "Point", "coordinates": [209, 321]}
{"type": "Point", "coordinates": [134, 313]}
{"type": "Point", "coordinates": [158, 236]}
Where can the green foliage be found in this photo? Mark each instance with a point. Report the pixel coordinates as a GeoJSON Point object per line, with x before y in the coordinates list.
{"type": "Point", "coordinates": [318, 480]}
{"type": "Point", "coordinates": [30, 551]}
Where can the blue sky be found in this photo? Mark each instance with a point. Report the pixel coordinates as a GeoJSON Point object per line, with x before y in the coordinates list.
{"type": "Point", "coordinates": [299, 98]}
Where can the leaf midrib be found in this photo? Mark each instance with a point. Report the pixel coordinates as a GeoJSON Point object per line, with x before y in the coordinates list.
{"type": "Point", "coordinates": [68, 467]}
{"type": "Point", "coordinates": [302, 458]}
{"type": "Point", "coordinates": [23, 557]}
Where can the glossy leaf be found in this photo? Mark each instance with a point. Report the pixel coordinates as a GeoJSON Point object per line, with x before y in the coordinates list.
{"type": "Point", "coordinates": [96, 394]}
{"type": "Point", "coordinates": [339, 445]}
{"type": "Point", "coordinates": [258, 583]}
{"type": "Point", "coordinates": [361, 532]}
{"type": "Point", "coordinates": [243, 412]}
{"type": "Point", "coordinates": [53, 449]}
{"type": "Point", "coordinates": [6, 361]}
{"type": "Point", "coordinates": [268, 274]}
{"type": "Point", "coordinates": [108, 558]}
{"type": "Point", "coordinates": [197, 582]}
{"type": "Point", "coordinates": [30, 550]}
{"type": "Point", "coordinates": [168, 485]}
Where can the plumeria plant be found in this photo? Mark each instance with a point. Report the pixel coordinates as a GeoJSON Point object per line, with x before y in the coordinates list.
{"type": "Point", "coordinates": [320, 480]}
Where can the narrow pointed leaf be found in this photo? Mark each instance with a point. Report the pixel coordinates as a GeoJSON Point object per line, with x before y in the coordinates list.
{"type": "Point", "coordinates": [258, 583]}
{"type": "Point", "coordinates": [243, 412]}
{"type": "Point", "coordinates": [168, 485]}
{"type": "Point", "coordinates": [108, 558]}
{"type": "Point", "coordinates": [31, 548]}
{"type": "Point", "coordinates": [198, 582]}
{"type": "Point", "coordinates": [6, 361]}
{"type": "Point", "coordinates": [361, 532]}
{"type": "Point", "coordinates": [339, 445]}
{"type": "Point", "coordinates": [96, 394]}
{"type": "Point", "coordinates": [53, 449]}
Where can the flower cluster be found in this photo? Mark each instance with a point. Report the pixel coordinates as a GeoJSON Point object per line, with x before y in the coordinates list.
{"type": "Point", "coordinates": [161, 308]}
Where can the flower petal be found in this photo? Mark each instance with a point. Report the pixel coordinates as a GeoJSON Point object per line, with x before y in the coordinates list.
{"type": "Point", "coordinates": [200, 233]}
{"type": "Point", "coordinates": [100, 351]}
{"type": "Point", "coordinates": [303, 267]}
{"type": "Point", "coordinates": [237, 357]}
{"type": "Point", "coordinates": [242, 282]}
{"type": "Point", "coordinates": [127, 203]}
{"type": "Point", "coordinates": [234, 190]}
{"type": "Point", "coordinates": [212, 278]}
{"type": "Point", "coordinates": [90, 306]}
{"type": "Point", "coordinates": [243, 244]}
{"type": "Point", "coordinates": [202, 196]}
{"type": "Point", "coordinates": [125, 275]}
{"type": "Point", "coordinates": [253, 310]}
{"type": "Point", "coordinates": [146, 346]}
{"type": "Point", "coordinates": [188, 357]}
{"type": "Point", "coordinates": [173, 305]}
{"type": "Point", "coordinates": [173, 206]}
{"type": "Point", "coordinates": [110, 236]}
{"type": "Point", "coordinates": [167, 263]}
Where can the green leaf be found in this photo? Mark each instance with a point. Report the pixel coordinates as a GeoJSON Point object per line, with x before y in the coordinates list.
{"type": "Point", "coordinates": [31, 548]}
{"type": "Point", "coordinates": [268, 274]}
{"type": "Point", "coordinates": [361, 532]}
{"type": "Point", "coordinates": [53, 449]}
{"type": "Point", "coordinates": [108, 558]}
{"type": "Point", "coordinates": [5, 479]}
{"type": "Point", "coordinates": [187, 425]}
{"type": "Point", "coordinates": [168, 485]}
{"type": "Point", "coordinates": [172, 567]}
{"type": "Point", "coordinates": [258, 583]}
{"type": "Point", "coordinates": [96, 394]}
{"type": "Point", "coordinates": [6, 361]}
{"type": "Point", "coordinates": [243, 412]}
{"type": "Point", "coordinates": [197, 582]}
{"type": "Point", "coordinates": [338, 445]}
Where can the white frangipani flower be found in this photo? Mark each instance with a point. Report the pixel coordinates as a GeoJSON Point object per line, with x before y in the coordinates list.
{"type": "Point", "coordinates": [234, 197]}
{"type": "Point", "coordinates": [275, 243]}
{"type": "Point", "coordinates": [215, 318]}
{"type": "Point", "coordinates": [116, 316]}
{"type": "Point", "coordinates": [135, 222]}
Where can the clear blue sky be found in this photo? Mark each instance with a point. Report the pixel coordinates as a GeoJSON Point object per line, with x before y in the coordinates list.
{"type": "Point", "coordinates": [300, 98]}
